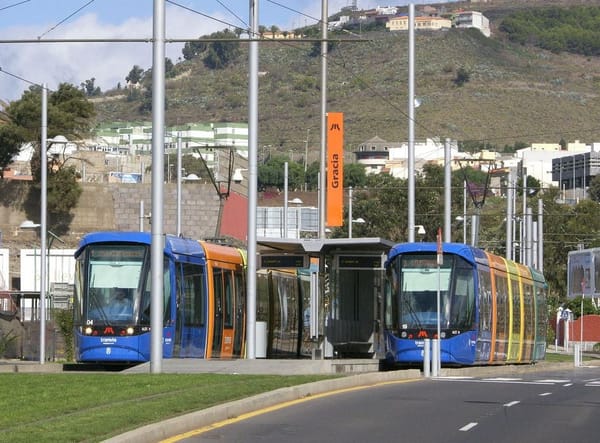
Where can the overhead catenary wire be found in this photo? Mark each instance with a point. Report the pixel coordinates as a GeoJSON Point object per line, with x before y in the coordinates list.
{"type": "Point", "coordinates": [13, 5]}
{"type": "Point", "coordinates": [332, 59]}
{"type": "Point", "coordinates": [67, 18]}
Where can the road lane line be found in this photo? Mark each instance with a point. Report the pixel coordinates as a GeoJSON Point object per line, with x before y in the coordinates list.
{"type": "Point", "coordinates": [544, 394]}
{"type": "Point", "coordinates": [512, 403]}
{"type": "Point", "coordinates": [468, 427]}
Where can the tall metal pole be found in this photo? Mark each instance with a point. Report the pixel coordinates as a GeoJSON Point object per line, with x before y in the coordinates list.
{"type": "Point", "coordinates": [43, 222]}
{"type": "Point", "coordinates": [306, 160]}
{"type": "Point", "coordinates": [158, 149]}
{"type": "Point", "coordinates": [350, 212]}
{"type": "Point", "coordinates": [141, 215]}
{"type": "Point", "coordinates": [285, 200]}
{"type": "Point", "coordinates": [322, 169]}
{"type": "Point", "coordinates": [524, 233]}
{"type": "Point", "coordinates": [252, 182]}
{"type": "Point", "coordinates": [541, 235]}
{"type": "Point", "coordinates": [178, 183]}
{"type": "Point", "coordinates": [447, 192]}
{"type": "Point", "coordinates": [529, 237]}
{"type": "Point", "coordinates": [411, 123]}
{"type": "Point", "coordinates": [509, 214]}
{"type": "Point", "coordinates": [465, 212]}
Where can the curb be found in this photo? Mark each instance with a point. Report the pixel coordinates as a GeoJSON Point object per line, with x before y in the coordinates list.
{"type": "Point", "coordinates": [185, 423]}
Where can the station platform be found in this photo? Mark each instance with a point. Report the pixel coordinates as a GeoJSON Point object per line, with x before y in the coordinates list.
{"type": "Point", "coordinates": [262, 366]}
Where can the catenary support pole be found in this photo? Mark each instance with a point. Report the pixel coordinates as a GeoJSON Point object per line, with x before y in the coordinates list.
{"type": "Point", "coordinates": [323, 156]}
{"type": "Point", "coordinates": [158, 161]}
{"type": "Point", "coordinates": [447, 192]}
{"type": "Point", "coordinates": [252, 182]}
{"type": "Point", "coordinates": [43, 222]}
{"type": "Point", "coordinates": [411, 123]}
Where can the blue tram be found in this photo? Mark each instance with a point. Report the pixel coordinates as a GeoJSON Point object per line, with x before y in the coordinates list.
{"type": "Point", "coordinates": [204, 294]}
{"type": "Point", "coordinates": [492, 310]}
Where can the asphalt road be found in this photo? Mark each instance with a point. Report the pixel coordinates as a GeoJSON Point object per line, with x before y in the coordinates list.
{"type": "Point", "coordinates": [553, 406]}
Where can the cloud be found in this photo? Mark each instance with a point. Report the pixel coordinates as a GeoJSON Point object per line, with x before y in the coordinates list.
{"type": "Point", "coordinates": [108, 63]}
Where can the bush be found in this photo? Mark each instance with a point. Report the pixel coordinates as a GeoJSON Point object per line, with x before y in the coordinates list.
{"type": "Point", "coordinates": [64, 322]}
{"type": "Point", "coordinates": [6, 341]}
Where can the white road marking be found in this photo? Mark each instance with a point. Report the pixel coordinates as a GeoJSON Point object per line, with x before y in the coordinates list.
{"type": "Point", "coordinates": [544, 394]}
{"type": "Point", "coordinates": [502, 379]}
{"type": "Point", "coordinates": [512, 403]}
{"type": "Point", "coordinates": [468, 427]}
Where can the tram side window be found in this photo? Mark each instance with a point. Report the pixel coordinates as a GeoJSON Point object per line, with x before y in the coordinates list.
{"type": "Point", "coordinates": [147, 295]}
{"type": "Point", "coordinates": [228, 301]}
{"type": "Point", "coordinates": [240, 292]}
{"type": "Point", "coordinates": [391, 297]}
{"type": "Point", "coordinates": [516, 294]}
{"type": "Point", "coordinates": [464, 299]}
{"type": "Point", "coordinates": [502, 304]}
{"type": "Point", "coordinates": [78, 304]}
{"type": "Point", "coordinates": [193, 295]}
{"type": "Point", "coordinates": [485, 300]}
{"type": "Point", "coordinates": [218, 296]}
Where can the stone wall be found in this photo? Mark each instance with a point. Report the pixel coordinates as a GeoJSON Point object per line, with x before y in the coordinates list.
{"type": "Point", "coordinates": [111, 206]}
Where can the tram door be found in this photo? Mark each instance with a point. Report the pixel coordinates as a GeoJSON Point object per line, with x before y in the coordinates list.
{"type": "Point", "coordinates": [217, 318]}
{"type": "Point", "coordinates": [224, 312]}
{"type": "Point", "coordinates": [190, 331]}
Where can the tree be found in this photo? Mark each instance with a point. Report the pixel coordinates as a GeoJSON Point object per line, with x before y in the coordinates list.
{"type": "Point", "coordinates": [594, 189]}
{"type": "Point", "coordinates": [11, 139]}
{"type": "Point", "coordinates": [217, 55]}
{"type": "Point", "coordinates": [89, 88]}
{"type": "Point", "coordinates": [69, 114]}
{"type": "Point", "coordinates": [193, 49]}
{"type": "Point", "coordinates": [354, 175]}
{"type": "Point", "coordinates": [169, 68]}
{"type": "Point", "coordinates": [462, 76]}
{"type": "Point", "coordinates": [271, 174]}
{"type": "Point", "coordinates": [222, 54]}
{"type": "Point", "coordinates": [135, 75]}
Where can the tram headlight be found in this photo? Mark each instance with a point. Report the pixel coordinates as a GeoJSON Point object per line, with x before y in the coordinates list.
{"type": "Point", "coordinates": [88, 330]}
{"type": "Point", "coordinates": [130, 330]}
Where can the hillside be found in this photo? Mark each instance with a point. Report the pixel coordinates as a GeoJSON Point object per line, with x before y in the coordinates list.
{"type": "Point", "coordinates": [515, 93]}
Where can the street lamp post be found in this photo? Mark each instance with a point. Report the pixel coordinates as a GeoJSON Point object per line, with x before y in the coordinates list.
{"type": "Point", "coordinates": [43, 222]}
{"type": "Point", "coordinates": [420, 231]}
{"type": "Point", "coordinates": [359, 220]}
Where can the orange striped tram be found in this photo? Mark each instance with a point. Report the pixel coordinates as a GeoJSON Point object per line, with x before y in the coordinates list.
{"type": "Point", "coordinates": [492, 310]}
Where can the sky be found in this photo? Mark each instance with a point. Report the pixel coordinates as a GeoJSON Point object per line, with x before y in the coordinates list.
{"type": "Point", "coordinates": [23, 64]}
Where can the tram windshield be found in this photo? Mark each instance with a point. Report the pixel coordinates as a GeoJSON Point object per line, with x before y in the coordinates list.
{"type": "Point", "coordinates": [111, 283]}
{"type": "Point", "coordinates": [416, 283]}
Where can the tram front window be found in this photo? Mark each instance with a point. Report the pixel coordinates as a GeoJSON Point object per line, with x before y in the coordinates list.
{"type": "Point", "coordinates": [420, 280]}
{"type": "Point", "coordinates": [113, 283]}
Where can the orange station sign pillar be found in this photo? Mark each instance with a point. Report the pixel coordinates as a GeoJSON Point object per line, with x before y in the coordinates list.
{"type": "Point", "coordinates": [335, 169]}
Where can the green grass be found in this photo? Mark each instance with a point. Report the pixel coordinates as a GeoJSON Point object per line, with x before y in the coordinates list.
{"type": "Point", "coordinates": [558, 358]}
{"type": "Point", "coordinates": [93, 407]}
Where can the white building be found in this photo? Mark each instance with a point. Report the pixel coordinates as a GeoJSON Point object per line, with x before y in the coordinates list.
{"type": "Point", "coordinates": [473, 19]}
{"type": "Point", "coordinates": [379, 156]}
